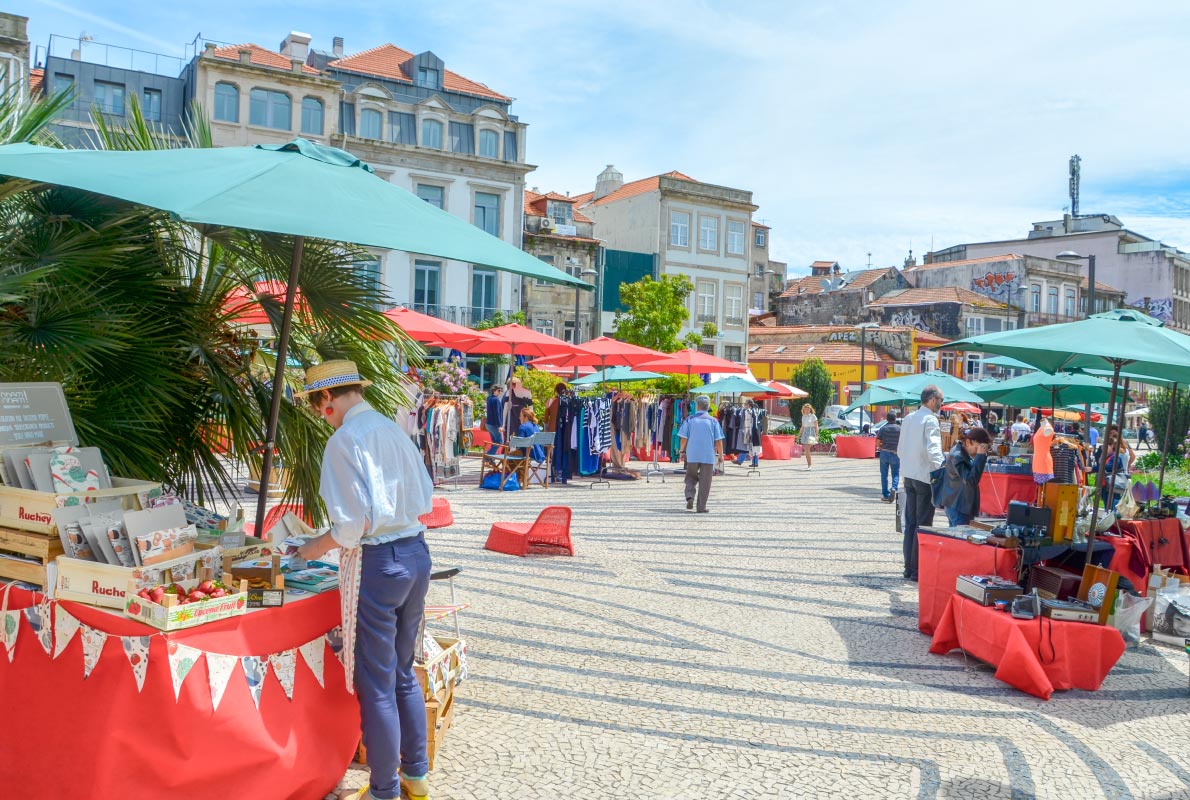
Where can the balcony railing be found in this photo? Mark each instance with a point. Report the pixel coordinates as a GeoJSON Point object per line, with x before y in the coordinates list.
{"type": "Point", "coordinates": [1035, 318]}
{"type": "Point", "coordinates": [707, 318]}
{"type": "Point", "coordinates": [467, 316]}
{"type": "Point", "coordinates": [732, 320]}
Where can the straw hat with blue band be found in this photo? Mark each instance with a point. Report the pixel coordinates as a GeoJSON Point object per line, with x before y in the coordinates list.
{"type": "Point", "coordinates": [329, 374]}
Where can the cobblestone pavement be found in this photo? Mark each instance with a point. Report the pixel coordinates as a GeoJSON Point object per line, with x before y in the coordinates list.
{"type": "Point", "coordinates": [768, 649]}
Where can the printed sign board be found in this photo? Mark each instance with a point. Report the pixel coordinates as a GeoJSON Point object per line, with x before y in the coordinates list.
{"type": "Point", "coordinates": [34, 413]}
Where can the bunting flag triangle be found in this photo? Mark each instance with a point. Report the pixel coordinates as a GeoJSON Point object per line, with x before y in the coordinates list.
{"type": "Point", "coordinates": [313, 652]}
{"type": "Point", "coordinates": [283, 664]}
{"type": "Point", "coordinates": [65, 626]}
{"type": "Point", "coordinates": [136, 648]}
{"type": "Point", "coordinates": [255, 668]}
{"type": "Point", "coordinates": [93, 642]}
{"type": "Point", "coordinates": [182, 659]}
{"type": "Point", "coordinates": [40, 623]}
{"type": "Point", "coordinates": [219, 668]}
{"type": "Point", "coordinates": [334, 637]}
{"type": "Point", "coordinates": [12, 626]}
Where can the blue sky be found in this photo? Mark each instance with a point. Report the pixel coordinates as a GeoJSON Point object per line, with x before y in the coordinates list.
{"type": "Point", "coordinates": [860, 127]}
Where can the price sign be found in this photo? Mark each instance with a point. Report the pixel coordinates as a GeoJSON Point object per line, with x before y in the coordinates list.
{"type": "Point", "coordinates": [34, 413]}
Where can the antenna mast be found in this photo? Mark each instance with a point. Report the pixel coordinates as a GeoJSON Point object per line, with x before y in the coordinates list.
{"type": "Point", "coordinates": [1075, 161]}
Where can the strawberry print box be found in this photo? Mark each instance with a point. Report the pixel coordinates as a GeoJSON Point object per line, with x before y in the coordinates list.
{"type": "Point", "coordinates": [173, 617]}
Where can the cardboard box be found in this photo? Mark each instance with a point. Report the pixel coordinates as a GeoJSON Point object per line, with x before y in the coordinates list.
{"type": "Point", "coordinates": [177, 617]}
{"type": "Point", "coordinates": [106, 584]}
{"type": "Point", "coordinates": [29, 510]}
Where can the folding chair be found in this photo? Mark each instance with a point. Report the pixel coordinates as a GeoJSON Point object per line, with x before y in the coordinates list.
{"type": "Point", "coordinates": [509, 459]}
{"type": "Point", "coordinates": [538, 474]}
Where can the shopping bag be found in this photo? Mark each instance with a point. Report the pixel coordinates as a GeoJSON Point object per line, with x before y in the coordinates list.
{"type": "Point", "coordinates": [492, 481]}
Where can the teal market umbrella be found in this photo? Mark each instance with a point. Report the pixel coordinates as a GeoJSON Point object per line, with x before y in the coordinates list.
{"type": "Point", "coordinates": [1005, 361]}
{"type": "Point", "coordinates": [882, 396]}
{"type": "Point", "coordinates": [1041, 388]}
{"type": "Point", "coordinates": [953, 389]}
{"type": "Point", "coordinates": [734, 384]}
{"type": "Point", "coordinates": [299, 189]}
{"type": "Point", "coordinates": [616, 375]}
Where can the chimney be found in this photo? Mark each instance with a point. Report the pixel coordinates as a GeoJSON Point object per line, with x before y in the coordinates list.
{"type": "Point", "coordinates": [245, 56]}
{"type": "Point", "coordinates": [296, 46]}
{"type": "Point", "coordinates": [337, 46]}
{"type": "Point", "coordinates": [820, 270]}
{"type": "Point", "coordinates": [608, 181]}
{"type": "Point", "coordinates": [297, 65]}
{"type": "Point", "coordinates": [209, 49]}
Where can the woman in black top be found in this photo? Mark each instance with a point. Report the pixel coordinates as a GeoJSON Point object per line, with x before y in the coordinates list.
{"type": "Point", "coordinates": [964, 467]}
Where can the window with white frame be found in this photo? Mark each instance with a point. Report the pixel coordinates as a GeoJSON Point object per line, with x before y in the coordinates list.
{"type": "Point", "coordinates": [733, 295]}
{"type": "Point", "coordinates": [371, 124]}
{"type": "Point", "coordinates": [974, 366]}
{"type": "Point", "coordinates": [707, 302]}
{"type": "Point", "coordinates": [761, 238]}
{"type": "Point", "coordinates": [708, 233]}
{"type": "Point", "coordinates": [735, 238]}
{"type": "Point", "coordinates": [489, 147]}
{"type": "Point", "coordinates": [1070, 302]}
{"type": "Point", "coordinates": [1051, 300]}
{"type": "Point", "coordinates": [227, 102]}
{"type": "Point", "coordinates": [974, 326]}
{"type": "Point", "coordinates": [312, 116]}
{"type": "Point", "coordinates": [679, 229]}
{"type": "Point", "coordinates": [269, 109]}
{"type": "Point", "coordinates": [544, 325]}
{"type": "Point", "coordinates": [426, 276]}
{"type": "Point", "coordinates": [561, 213]}
{"type": "Point", "coordinates": [758, 300]}
{"type": "Point", "coordinates": [431, 134]}
{"type": "Point", "coordinates": [733, 352]}
{"type": "Point", "coordinates": [1035, 297]}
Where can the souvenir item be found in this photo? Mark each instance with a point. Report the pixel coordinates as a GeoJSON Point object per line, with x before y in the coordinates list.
{"type": "Point", "coordinates": [74, 542]}
{"type": "Point", "coordinates": [69, 472]}
{"type": "Point", "coordinates": [161, 545]}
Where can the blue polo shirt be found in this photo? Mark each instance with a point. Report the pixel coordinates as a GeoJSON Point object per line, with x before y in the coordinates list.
{"type": "Point", "coordinates": [701, 431]}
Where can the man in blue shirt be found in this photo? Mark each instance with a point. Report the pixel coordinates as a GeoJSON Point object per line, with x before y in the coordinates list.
{"type": "Point", "coordinates": [494, 415]}
{"type": "Point", "coordinates": [701, 445]}
{"type": "Point", "coordinates": [375, 488]}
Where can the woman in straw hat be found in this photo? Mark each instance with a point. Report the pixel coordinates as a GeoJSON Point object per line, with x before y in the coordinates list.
{"type": "Point", "coordinates": [375, 488]}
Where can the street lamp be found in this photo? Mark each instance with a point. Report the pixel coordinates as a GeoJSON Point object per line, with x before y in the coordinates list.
{"type": "Point", "coordinates": [863, 329]}
{"type": "Point", "coordinates": [1070, 255]}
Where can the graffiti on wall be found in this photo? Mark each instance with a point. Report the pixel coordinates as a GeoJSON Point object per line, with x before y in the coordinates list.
{"type": "Point", "coordinates": [1161, 309]}
{"type": "Point", "coordinates": [1000, 286]}
{"type": "Point", "coordinates": [909, 319]}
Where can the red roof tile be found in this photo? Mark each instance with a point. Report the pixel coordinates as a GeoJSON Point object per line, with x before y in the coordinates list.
{"type": "Point", "coordinates": [940, 294]}
{"type": "Point", "coordinates": [390, 61]}
{"type": "Point", "coordinates": [1102, 287]}
{"type": "Point", "coordinates": [632, 189]}
{"type": "Point", "coordinates": [261, 57]}
{"type": "Point", "coordinates": [36, 81]}
{"type": "Point", "coordinates": [812, 284]}
{"type": "Point", "coordinates": [830, 352]}
{"type": "Point", "coordinates": [537, 205]}
{"type": "Point", "coordinates": [756, 224]}
{"type": "Point", "coordinates": [983, 260]}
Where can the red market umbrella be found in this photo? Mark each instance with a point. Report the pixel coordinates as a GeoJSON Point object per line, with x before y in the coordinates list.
{"type": "Point", "coordinates": [966, 408]}
{"type": "Point", "coordinates": [548, 364]}
{"type": "Point", "coordinates": [784, 389]}
{"type": "Point", "coordinates": [608, 352]}
{"type": "Point", "coordinates": [245, 307]}
{"type": "Point", "coordinates": [433, 331]}
{"type": "Point", "coordinates": [691, 362]}
{"type": "Point", "coordinates": [1066, 414]}
{"type": "Point", "coordinates": [516, 339]}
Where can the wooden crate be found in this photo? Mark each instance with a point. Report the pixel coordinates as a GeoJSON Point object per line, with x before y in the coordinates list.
{"type": "Point", "coordinates": [42, 546]}
{"type": "Point", "coordinates": [440, 716]}
{"type": "Point", "coordinates": [30, 510]}
{"type": "Point", "coordinates": [438, 676]}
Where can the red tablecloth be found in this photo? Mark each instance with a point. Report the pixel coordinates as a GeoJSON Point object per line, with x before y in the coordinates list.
{"type": "Point", "coordinates": [779, 447]}
{"type": "Point", "coordinates": [1073, 655]}
{"type": "Point", "coordinates": [855, 446]}
{"type": "Point", "coordinates": [66, 737]}
{"type": "Point", "coordinates": [996, 490]}
{"type": "Point", "coordinates": [941, 560]}
{"type": "Point", "coordinates": [480, 437]}
{"type": "Point", "coordinates": [1147, 536]}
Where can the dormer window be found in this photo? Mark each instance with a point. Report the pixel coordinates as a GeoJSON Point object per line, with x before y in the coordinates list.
{"type": "Point", "coordinates": [561, 213]}
{"type": "Point", "coordinates": [427, 77]}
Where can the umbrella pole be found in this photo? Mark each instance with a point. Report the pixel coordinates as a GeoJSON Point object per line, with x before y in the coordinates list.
{"type": "Point", "coordinates": [1173, 402]}
{"type": "Point", "coordinates": [1111, 405]}
{"type": "Point", "coordinates": [270, 436]}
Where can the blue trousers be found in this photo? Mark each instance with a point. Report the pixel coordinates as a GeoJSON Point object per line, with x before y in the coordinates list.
{"type": "Point", "coordinates": [392, 598]}
{"type": "Point", "coordinates": [889, 461]}
{"type": "Point", "coordinates": [497, 437]}
{"type": "Point", "coordinates": [956, 517]}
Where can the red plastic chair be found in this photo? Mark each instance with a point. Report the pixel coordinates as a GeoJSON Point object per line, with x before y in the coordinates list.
{"type": "Point", "coordinates": [551, 532]}
{"type": "Point", "coordinates": [440, 516]}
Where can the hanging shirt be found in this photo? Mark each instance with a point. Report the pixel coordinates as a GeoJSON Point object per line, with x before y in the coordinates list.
{"type": "Point", "coordinates": [373, 481]}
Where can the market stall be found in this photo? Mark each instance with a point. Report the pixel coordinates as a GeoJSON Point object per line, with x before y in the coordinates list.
{"type": "Point", "coordinates": [855, 446]}
{"type": "Point", "coordinates": [941, 559]}
{"type": "Point", "coordinates": [998, 488]}
{"type": "Point", "coordinates": [779, 447]}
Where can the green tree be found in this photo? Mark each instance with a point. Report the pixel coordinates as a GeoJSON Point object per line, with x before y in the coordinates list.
{"type": "Point", "coordinates": [1159, 405]}
{"type": "Point", "coordinates": [655, 312]}
{"type": "Point", "coordinates": [128, 310]}
{"type": "Point", "coordinates": [813, 377]}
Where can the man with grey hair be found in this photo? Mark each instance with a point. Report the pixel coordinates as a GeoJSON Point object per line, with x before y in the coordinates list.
{"type": "Point", "coordinates": [920, 452]}
{"type": "Point", "coordinates": [701, 445]}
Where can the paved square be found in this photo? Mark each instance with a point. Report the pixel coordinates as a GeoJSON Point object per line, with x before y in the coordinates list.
{"type": "Point", "coordinates": [768, 649]}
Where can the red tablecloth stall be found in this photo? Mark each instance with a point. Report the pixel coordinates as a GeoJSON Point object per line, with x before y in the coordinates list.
{"type": "Point", "coordinates": [779, 447]}
{"type": "Point", "coordinates": [997, 490]}
{"type": "Point", "coordinates": [1156, 541]}
{"type": "Point", "coordinates": [99, 738]}
{"type": "Point", "coordinates": [1036, 656]}
{"type": "Point", "coordinates": [480, 437]}
{"type": "Point", "coordinates": [941, 560]}
{"type": "Point", "coordinates": [855, 446]}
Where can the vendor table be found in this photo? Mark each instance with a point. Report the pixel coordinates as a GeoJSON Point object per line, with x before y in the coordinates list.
{"type": "Point", "coordinates": [480, 437]}
{"type": "Point", "coordinates": [1034, 655]}
{"type": "Point", "coordinates": [998, 489]}
{"type": "Point", "coordinates": [855, 446]}
{"type": "Point", "coordinates": [1156, 541]}
{"type": "Point", "coordinates": [941, 560]}
{"type": "Point", "coordinates": [779, 447]}
{"type": "Point", "coordinates": [64, 736]}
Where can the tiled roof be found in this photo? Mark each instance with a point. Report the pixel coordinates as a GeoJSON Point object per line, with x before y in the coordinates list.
{"type": "Point", "coordinates": [983, 260]}
{"type": "Point", "coordinates": [36, 81]}
{"type": "Point", "coordinates": [812, 284]}
{"type": "Point", "coordinates": [261, 57]}
{"type": "Point", "coordinates": [823, 264]}
{"type": "Point", "coordinates": [390, 61]}
{"type": "Point", "coordinates": [536, 205]}
{"type": "Point", "coordinates": [1102, 287]}
{"type": "Point", "coordinates": [630, 189]}
{"type": "Point", "coordinates": [830, 352]}
{"type": "Point", "coordinates": [939, 294]}
{"type": "Point", "coordinates": [756, 224]}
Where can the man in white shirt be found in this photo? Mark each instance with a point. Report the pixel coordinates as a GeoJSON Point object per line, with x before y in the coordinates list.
{"type": "Point", "coordinates": [1021, 429]}
{"type": "Point", "coordinates": [920, 452]}
{"type": "Point", "coordinates": [375, 488]}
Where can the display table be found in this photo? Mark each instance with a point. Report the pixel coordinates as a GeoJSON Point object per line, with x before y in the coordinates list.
{"type": "Point", "coordinates": [855, 446]}
{"type": "Point", "coordinates": [941, 560]}
{"type": "Point", "coordinates": [1073, 655]}
{"type": "Point", "coordinates": [779, 447]}
{"type": "Point", "coordinates": [64, 736]}
{"type": "Point", "coordinates": [997, 490]}
{"type": "Point", "coordinates": [1156, 541]}
{"type": "Point", "coordinates": [480, 437]}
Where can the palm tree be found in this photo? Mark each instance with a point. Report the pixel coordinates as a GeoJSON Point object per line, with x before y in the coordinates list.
{"type": "Point", "coordinates": [128, 309]}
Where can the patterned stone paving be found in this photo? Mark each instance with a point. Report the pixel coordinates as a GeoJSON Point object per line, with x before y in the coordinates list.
{"type": "Point", "coordinates": [768, 649]}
